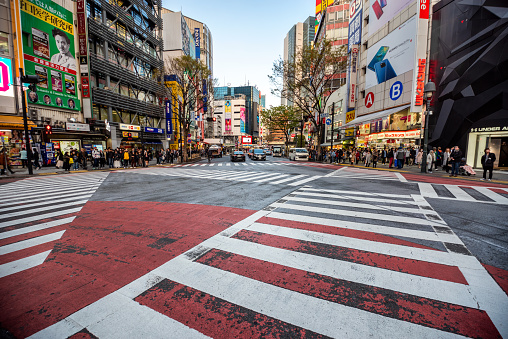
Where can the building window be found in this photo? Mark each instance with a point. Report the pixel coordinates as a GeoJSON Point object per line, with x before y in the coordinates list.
{"type": "Point", "coordinates": [4, 43]}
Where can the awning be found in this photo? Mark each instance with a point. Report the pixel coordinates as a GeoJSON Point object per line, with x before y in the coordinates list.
{"type": "Point", "coordinates": [374, 116]}
{"type": "Point", "coordinates": [14, 121]}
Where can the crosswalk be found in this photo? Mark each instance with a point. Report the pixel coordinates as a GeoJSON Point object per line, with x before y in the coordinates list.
{"type": "Point", "coordinates": [368, 174]}
{"type": "Point", "coordinates": [479, 194]}
{"type": "Point", "coordinates": [273, 178]}
{"type": "Point", "coordinates": [234, 164]}
{"type": "Point", "coordinates": [360, 265]}
{"type": "Point", "coordinates": [35, 213]}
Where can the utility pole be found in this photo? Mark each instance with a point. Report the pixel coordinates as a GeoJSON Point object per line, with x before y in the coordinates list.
{"type": "Point", "coordinates": [331, 129]}
{"type": "Point", "coordinates": [429, 90]}
{"type": "Point", "coordinates": [33, 80]}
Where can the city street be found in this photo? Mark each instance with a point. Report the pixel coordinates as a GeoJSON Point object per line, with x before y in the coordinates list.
{"type": "Point", "coordinates": [253, 249]}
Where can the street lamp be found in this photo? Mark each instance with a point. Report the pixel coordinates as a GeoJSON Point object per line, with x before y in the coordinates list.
{"type": "Point", "coordinates": [429, 90]}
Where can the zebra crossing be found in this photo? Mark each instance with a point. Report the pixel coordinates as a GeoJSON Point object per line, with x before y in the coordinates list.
{"type": "Point", "coordinates": [35, 213]}
{"type": "Point", "coordinates": [233, 164]}
{"type": "Point", "coordinates": [274, 178]}
{"type": "Point", "coordinates": [368, 174]}
{"type": "Point", "coordinates": [353, 267]}
{"type": "Point", "coordinates": [481, 194]}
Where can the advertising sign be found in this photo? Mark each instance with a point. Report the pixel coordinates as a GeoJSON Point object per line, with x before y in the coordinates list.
{"type": "Point", "coordinates": [352, 76]}
{"type": "Point", "coordinates": [197, 40]}
{"type": "Point", "coordinates": [73, 126]}
{"type": "Point", "coordinates": [48, 50]}
{"type": "Point", "coordinates": [355, 24]}
{"type": "Point", "coordinates": [393, 55]}
{"type": "Point", "coordinates": [130, 135]}
{"type": "Point", "coordinates": [420, 58]}
{"type": "Point", "coordinates": [6, 83]}
{"type": "Point", "coordinates": [242, 119]}
{"type": "Point", "coordinates": [350, 116]}
{"type": "Point", "coordinates": [382, 11]}
{"type": "Point", "coordinates": [154, 130]}
{"type": "Point", "coordinates": [247, 140]}
{"type": "Point", "coordinates": [227, 115]}
{"type": "Point", "coordinates": [169, 119]}
{"type": "Point", "coordinates": [126, 127]}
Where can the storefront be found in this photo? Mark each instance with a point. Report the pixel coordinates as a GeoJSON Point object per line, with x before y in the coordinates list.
{"type": "Point", "coordinates": [493, 137]}
{"type": "Point", "coordinates": [12, 137]}
{"type": "Point", "coordinates": [152, 137]}
{"type": "Point", "coordinates": [389, 139]}
{"type": "Point", "coordinates": [130, 136]}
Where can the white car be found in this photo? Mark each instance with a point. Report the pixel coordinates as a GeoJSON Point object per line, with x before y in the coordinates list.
{"type": "Point", "coordinates": [299, 154]}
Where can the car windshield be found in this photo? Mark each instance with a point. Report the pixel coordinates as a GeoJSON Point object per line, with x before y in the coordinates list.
{"type": "Point", "coordinates": [300, 150]}
{"type": "Point", "coordinates": [258, 151]}
{"type": "Point", "coordinates": [238, 152]}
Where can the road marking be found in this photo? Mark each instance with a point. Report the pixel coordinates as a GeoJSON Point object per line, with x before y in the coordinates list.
{"type": "Point", "coordinates": [400, 176]}
{"type": "Point", "coordinates": [29, 229]}
{"type": "Point", "coordinates": [228, 164]}
{"type": "Point", "coordinates": [459, 193]}
{"type": "Point", "coordinates": [295, 177]}
{"type": "Point", "coordinates": [272, 177]}
{"type": "Point", "coordinates": [47, 202]}
{"type": "Point", "coordinates": [396, 196]}
{"type": "Point", "coordinates": [21, 245]}
{"type": "Point", "coordinates": [301, 182]}
{"type": "Point", "coordinates": [350, 197]}
{"type": "Point", "coordinates": [42, 209]}
{"type": "Point", "coordinates": [220, 164]}
{"type": "Point", "coordinates": [498, 198]}
{"type": "Point", "coordinates": [39, 217]}
{"type": "Point", "coordinates": [331, 174]}
{"type": "Point", "coordinates": [427, 190]}
{"type": "Point", "coordinates": [23, 264]}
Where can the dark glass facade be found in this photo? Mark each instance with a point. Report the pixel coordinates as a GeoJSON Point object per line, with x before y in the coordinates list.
{"type": "Point", "coordinates": [469, 64]}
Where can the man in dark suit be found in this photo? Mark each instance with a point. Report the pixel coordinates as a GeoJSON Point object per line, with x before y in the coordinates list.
{"type": "Point", "coordinates": [488, 160]}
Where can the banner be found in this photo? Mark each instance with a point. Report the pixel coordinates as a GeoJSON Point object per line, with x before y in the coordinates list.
{"type": "Point", "coordinates": [242, 119]}
{"type": "Point", "coordinates": [169, 119]}
{"type": "Point", "coordinates": [420, 58]}
{"type": "Point", "coordinates": [6, 81]}
{"type": "Point", "coordinates": [48, 50]}
{"type": "Point", "coordinates": [227, 115]}
{"type": "Point", "coordinates": [393, 55]}
{"type": "Point", "coordinates": [382, 11]}
{"type": "Point", "coordinates": [355, 24]}
{"type": "Point", "coordinates": [352, 76]}
{"type": "Point", "coordinates": [197, 40]}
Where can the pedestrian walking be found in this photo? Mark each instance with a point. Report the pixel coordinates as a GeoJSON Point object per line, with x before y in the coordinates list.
{"type": "Point", "coordinates": [23, 157]}
{"type": "Point", "coordinates": [488, 160]}
{"type": "Point", "coordinates": [59, 158]}
{"type": "Point", "coordinates": [375, 156]}
{"type": "Point", "coordinates": [35, 154]}
{"type": "Point", "coordinates": [4, 162]}
{"type": "Point", "coordinates": [400, 155]}
{"type": "Point", "coordinates": [96, 155]}
{"type": "Point", "coordinates": [455, 158]}
{"type": "Point", "coordinates": [126, 157]}
{"type": "Point", "coordinates": [391, 156]}
{"type": "Point", "coordinates": [66, 161]}
{"type": "Point", "coordinates": [446, 160]}
{"type": "Point", "coordinates": [368, 158]}
{"type": "Point", "coordinates": [431, 158]}
{"type": "Point", "coordinates": [419, 157]}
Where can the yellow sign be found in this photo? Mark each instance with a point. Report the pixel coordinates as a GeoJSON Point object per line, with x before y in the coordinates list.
{"type": "Point", "coordinates": [350, 132]}
{"type": "Point", "coordinates": [132, 134]}
{"type": "Point", "coordinates": [350, 116]}
{"type": "Point", "coordinates": [46, 16]}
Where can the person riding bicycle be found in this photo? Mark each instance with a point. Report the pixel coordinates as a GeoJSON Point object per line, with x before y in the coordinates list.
{"type": "Point", "coordinates": [209, 155]}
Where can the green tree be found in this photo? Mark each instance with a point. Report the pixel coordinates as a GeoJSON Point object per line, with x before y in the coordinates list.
{"type": "Point", "coordinates": [281, 118]}
{"type": "Point", "coordinates": [189, 84]}
{"type": "Point", "coordinates": [309, 78]}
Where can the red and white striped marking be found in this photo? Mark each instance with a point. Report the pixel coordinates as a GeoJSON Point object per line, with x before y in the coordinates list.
{"type": "Point", "coordinates": [35, 214]}
{"type": "Point", "coordinates": [280, 273]}
{"type": "Point", "coordinates": [482, 194]}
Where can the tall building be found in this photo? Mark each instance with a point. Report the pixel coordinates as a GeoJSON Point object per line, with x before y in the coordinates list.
{"type": "Point", "coordinates": [230, 118]}
{"type": "Point", "coordinates": [301, 34]}
{"type": "Point", "coordinates": [125, 50]}
{"type": "Point", "coordinates": [252, 98]}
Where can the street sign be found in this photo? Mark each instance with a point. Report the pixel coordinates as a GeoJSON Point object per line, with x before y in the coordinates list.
{"type": "Point", "coordinates": [328, 121]}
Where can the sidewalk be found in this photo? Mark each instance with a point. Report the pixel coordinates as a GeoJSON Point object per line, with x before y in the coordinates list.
{"type": "Point", "coordinates": [20, 173]}
{"type": "Point", "coordinates": [498, 177]}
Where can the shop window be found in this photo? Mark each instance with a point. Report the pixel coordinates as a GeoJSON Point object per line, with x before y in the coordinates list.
{"type": "Point", "coordinates": [96, 112]}
{"type": "Point", "coordinates": [103, 113]}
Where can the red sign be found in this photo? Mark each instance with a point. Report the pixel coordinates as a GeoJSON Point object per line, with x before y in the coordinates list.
{"type": "Point", "coordinates": [49, 64]}
{"type": "Point", "coordinates": [369, 100]}
{"type": "Point", "coordinates": [424, 9]}
{"type": "Point", "coordinates": [85, 87]}
{"type": "Point", "coordinates": [247, 140]}
{"type": "Point", "coordinates": [420, 79]}
{"type": "Point", "coordinates": [81, 23]}
{"type": "Point", "coordinates": [81, 6]}
{"type": "Point", "coordinates": [82, 44]}
{"type": "Point", "coordinates": [292, 135]}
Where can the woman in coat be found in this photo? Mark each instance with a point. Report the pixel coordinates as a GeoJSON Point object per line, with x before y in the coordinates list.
{"type": "Point", "coordinates": [488, 160]}
{"type": "Point", "coordinates": [419, 158]}
{"type": "Point", "coordinates": [446, 160]}
{"type": "Point", "coordinates": [431, 158]}
{"type": "Point", "coordinates": [66, 164]}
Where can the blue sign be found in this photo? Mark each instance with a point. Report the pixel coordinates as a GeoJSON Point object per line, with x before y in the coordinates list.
{"type": "Point", "coordinates": [154, 130]}
{"type": "Point", "coordinates": [328, 121]}
{"type": "Point", "coordinates": [169, 119]}
{"type": "Point", "coordinates": [197, 39]}
{"type": "Point", "coordinates": [355, 28]}
{"type": "Point", "coordinates": [396, 90]}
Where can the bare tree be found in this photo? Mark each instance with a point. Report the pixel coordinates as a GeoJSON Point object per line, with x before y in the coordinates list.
{"type": "Point", "coordinates": [190, 88]}
{"type": "Point", "coordinates": [281, 118]}
{"type": "Point", "coordinates": [307, 80]}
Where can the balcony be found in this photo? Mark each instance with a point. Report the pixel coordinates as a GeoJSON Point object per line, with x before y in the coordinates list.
{"type": "Point", "coordinates": [106, 97]}
{"type": "Point", "coordinates": [105, 33]}
{"type": "Point", "coordinates": [129, 21]}
{"type": "Point", "coordinates": [104, 66]}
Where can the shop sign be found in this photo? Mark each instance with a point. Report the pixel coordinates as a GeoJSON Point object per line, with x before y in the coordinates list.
{"type": "Point", "coordinates": [420, 79]}
{"type": "Point", "coordinates": [247, 140]}
{"type": "Point", "coordinates": [6, 87]}
{"type": "Point", "coordinates": [352, 76]}
{"type": "Point", "coordinates": [397, 134]}
{"type": "Point", "coordinates": [350, 132]}
{"type": "Point", "coordinates": [489, 129]}
{"type": "Point", "coordinates": [154, 130]}
{"type": "Point", "coordinates": [369, 100]}
{"type": "Point", "coordinates": [420, 56]}
{"type": "Point", "coordinates": [130, 135]}
{"type": "Point", "coordinates": [130, 127]}
{"type": "Point", "coordinates": [350, 116]}
{"type": "Point", "coordinates": [72, 126]}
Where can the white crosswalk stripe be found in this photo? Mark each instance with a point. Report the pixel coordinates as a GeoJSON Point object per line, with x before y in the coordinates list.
{"type": "Point", "coordinates": [292, 236]}
{"type": "Point", "coordinates": [274, 178]}
{"type": "Point", "coordinates": [480, 194]}
{"type": "Point", "coordinates": [27, 207]}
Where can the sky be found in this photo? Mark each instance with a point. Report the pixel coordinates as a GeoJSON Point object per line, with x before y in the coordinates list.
{"type": "Point", "coordinates": [248, 36]}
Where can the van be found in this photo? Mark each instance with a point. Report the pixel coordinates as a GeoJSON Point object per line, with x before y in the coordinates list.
{"type": "Point", "coordinates": [298, 154]}
{"type": "Point", "coordinates": [277, 151]}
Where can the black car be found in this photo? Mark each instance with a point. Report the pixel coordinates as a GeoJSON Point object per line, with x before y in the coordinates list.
{"type": "Point", "coordinates": [237, 156]}
{"type": "Point", "coordinates": [258, 154]}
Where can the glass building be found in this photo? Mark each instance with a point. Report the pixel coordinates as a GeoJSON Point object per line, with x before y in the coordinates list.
{"type": "Point", "coordinates": [252, 104]}
{"type": "Point", "coordinates": [125, 58]}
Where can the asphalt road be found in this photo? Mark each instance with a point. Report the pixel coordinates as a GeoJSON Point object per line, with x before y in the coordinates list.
{"type": "Point", "coordinates": [254, 249]}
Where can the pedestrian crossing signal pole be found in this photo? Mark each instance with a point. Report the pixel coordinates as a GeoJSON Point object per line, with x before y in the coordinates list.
{"type": "Point", "coordinates": [33, 80]}
{"type": "Point", "coordinates": [331, 128]}
{"type": "Point", "coordinates": [429, 90]}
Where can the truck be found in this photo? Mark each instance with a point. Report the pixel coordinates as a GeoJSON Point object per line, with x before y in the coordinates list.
{"type": "Point", "coordinates": [215, 151]}
{"type": "Point", "coordinates": [277, 151]}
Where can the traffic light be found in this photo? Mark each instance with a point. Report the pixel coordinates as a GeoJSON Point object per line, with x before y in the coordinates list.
{"type": "Point", "coordinates": [33, 80]}
{"type": "Point", "coordinates": [48, 129]}
{"type": "Point", "coordinates": [214, 119]}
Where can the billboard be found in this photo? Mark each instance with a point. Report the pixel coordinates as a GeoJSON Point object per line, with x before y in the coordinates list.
{"type": "Point", "coordinates": [197, 40]}
{"type": "Point", "coordinates": [247, 140]}
{"type": "Point", "coordinates": [169, 119]}
{"type": "Point", "coordinates": [242, 120]}
{"type": "Point", "coordinates": [417, 89]}
{"type": "Point", "coordinates": [227, 115]}
{"type": "Point", "coordinates": [382, 11]}
{"type": "Point", "coordinates": [6, 83]}
{"type": "Point", "coordinates": [393, 55]}
{"type": "Point", "coordinates": [353, 67]}
{"type": "Point", "coordinates": [48, 51]}
{"type": "Point", "coordinates": [355, 23]}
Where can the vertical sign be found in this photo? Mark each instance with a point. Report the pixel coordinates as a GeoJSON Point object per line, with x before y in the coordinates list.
{"type": "Point", "coordinates": [48, 51]}
{"type": "Point", "coordinates": [83, 50]}
{"type": "Point", "coordinates": [352, 76]}
{"type": "Point", "coordinates": [242, 120]}
{"type": "Point", "coordinates": [227, 115]}
{"type": "Point", "coordinates": [420, 60]}
{"type": "Point", "coordinates": [197, 39]}
{"type": "Point", "coordinates": [355, 23]}
{"type": "Point", "coordinates": [169, 119]}
{"type": "Point", "coordinates": [6, 87]}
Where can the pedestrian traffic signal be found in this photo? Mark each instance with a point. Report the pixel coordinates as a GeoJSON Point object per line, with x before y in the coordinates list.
{"type": "Point", "coordinates": [214, 119]}
{"type": "Point", "coordinates": [48, 129]}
